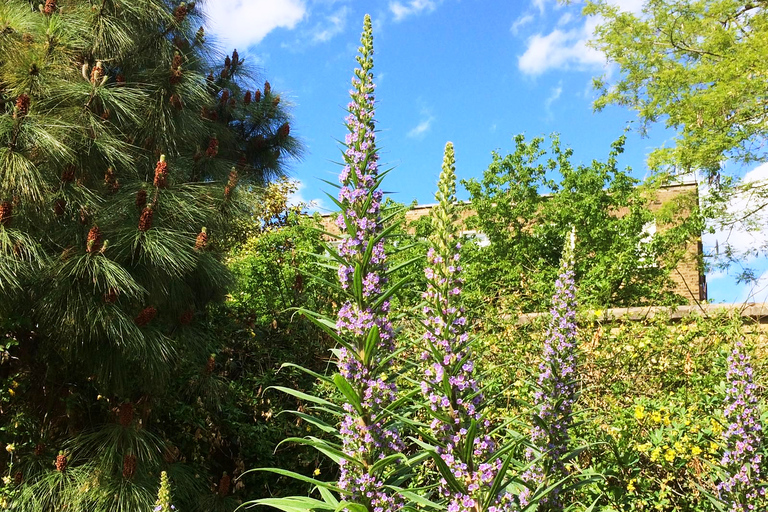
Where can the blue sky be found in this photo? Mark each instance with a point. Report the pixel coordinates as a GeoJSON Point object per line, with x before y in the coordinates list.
{"type": "Point", "coordinates": [474, 72]}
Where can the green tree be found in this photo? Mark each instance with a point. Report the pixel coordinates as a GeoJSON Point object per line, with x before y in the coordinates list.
{"type": "Point", "coordinates": [129, 149]}
{"type": "Point", "coordinates": [526, 204]}
{"type": "Point", "coordinates": [699, 67]}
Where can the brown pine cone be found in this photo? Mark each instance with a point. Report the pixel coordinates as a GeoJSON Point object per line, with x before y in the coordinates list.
{"type": "Point", "coordinates": [257, 96]}
{"type": "Point", "coordinates": [145, 221]}
{"type": "Point", "coordinates": [93, 242]}
{"type": "Point", "coordinates": [276, 101]}
{"type": "Point", "coordinates": [125, 413]}
{"type": "Point", "coordinates": [235, 57]}
{"type": "Point", "coordinates": [141, 199]}
{"type": "Point", "coordinates": [59, 207]}
{"type": "Point", "coordinates": [187, 317]}
{"type": "Point", "coordinates": [284, 130]}
{"type": "Point", "coordinates": [180, 12]}
{"type": "Point", "coordinates": [202, 240]}
{"type": "Point", "coordinates": [224, 96]}
{"type": "Point", "coordinates": [129, 466]}
{"type": "Point", "coordinates": [22, 106]}
{"type": "Point", "coordinates": [161, 173]}
{"type": "Point", "coordinates": [6, 212]}
{"type": "Point", "coordinates": [61, 462]}
{"type": "Point", "coordinates": [247, 98]}
{"type": "Point", "coordinates": [147, 315]}
{"type": "Point", "coordinates": [267, 88]}
{"type": "Point", "coordinates": [50, 6]}
{"type": "Point", "coordinates": [97, 73]}
{"type": "Point", "coordinates": [18, 477]}
{"type": "Point", "coordinates": [68, 174]}
{"type": "Point", "coordinates": [110, 297]}
{"type": "Point", "coordinates": [224, 484]}
{"type": "Point", "coordinates": [175, 101]}
{"type": "Point", "coordinates": [210, 365]}
{"type": "Point", "coordinates": [213, 147]}
{"type": "Point", "coordinates": [39, 449]}
{"type": "Point", "coordinates": [111, 181]}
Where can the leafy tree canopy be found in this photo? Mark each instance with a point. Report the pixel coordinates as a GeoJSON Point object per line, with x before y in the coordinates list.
{"type": "Point", "coordinates": [698, 66]}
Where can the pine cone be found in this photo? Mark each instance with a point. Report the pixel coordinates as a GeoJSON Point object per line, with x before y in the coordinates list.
{"type": "Point", "coordinates": [6, 212]}
{"type": "Point", "coordinates": [210, 365]}
{"type": "Point", "coordinates": [200, 35]}
{"type": "Point", "coordinates": [235, 57]}
{"type": "Point", "coordinates": [180, 12]}
{"type": "Point", "coordinates": [145, 221]}
{"type": "Point", "coordinates": [50, 6]}
{"type": "Point", "coordinates": [161, 173]}
{"type": "Point", "coordinates": [39, 449]}
{"type": "Point", "coordinates": [110, 297]}
{"type": "Point", "coordinates": [247, 98]}
{"type": "Point", "coordinates": [125, 413]}
{"type": "Point", "coordinates": [111, 181]}
{"type": "Point", "coordinates": [106, 115]}
{"type": "Point", "coordinates": [175, 101]}
{"type": "Point", "coordinates": [59, 207]}
{"type": "Point", "coordinates": [129, 466]}
{"type": "Point", "coordinates": [284, 131]}
{"type": "Point", "coordinates": [224, 96]}
{"type": "Point", "coordinates": [276, 101]}
{"type": "Point", "coordinates": [187, 316]}
{"type": "Point", "coordinates": [61, 462]}
{"type": "Point", "coordinates": [93, 242]}
{"type": "Point", "coordinates": [22, 106]}
{"type": "Point", "coordinates": [147, 315]}
{"type": "Point", "coordinates": [141, 198]}
{"type": "Point", "coordinates": [202, 240]}
{"type": "Point", "coordinates": [120, 79]}
{"type": "Point", "coordinates": [68, 174]}
{"type": "Point", "coordinates": [257, 96]}
{"type": "Point", "coordinates": [232, 102]}
{"type": "Point", "coordinates": [213, 147]}
{"type": "Point", "coordinates": [176, 75]}
{"type": "Point", "coordinates": [267, 88]}
{"type": "Point", "coordinates": [224, 484]}
{"type": "Point", "coordinates": [97, 73]}
{"type": "Point", "coordinates": [227, 62]}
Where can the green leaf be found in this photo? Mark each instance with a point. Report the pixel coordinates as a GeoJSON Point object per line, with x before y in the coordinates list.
{"type": "Point", "coordinates": [349, 393]}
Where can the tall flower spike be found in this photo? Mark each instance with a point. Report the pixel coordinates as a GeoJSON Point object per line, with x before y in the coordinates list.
{"type": "Point", "coordinates": [740, 489]}
{"type": "Point", "coordinates": [163, 503]}
{"type": "Point", "coordinates": [557, 389]}
{"type": "Point", "coordinates": [449, 384]}
{"type": "Point", "coordinates": [363, 319]}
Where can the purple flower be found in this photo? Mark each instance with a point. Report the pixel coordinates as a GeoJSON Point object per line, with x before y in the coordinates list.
{"type": "Point", "coordinates": [556, 393]}
{"type": "Point", "coordinates": [456, 398]}
{"type": "Point", "coordinates": [741, 459]}
{"type": "Point", "coordinates": [366, 434]}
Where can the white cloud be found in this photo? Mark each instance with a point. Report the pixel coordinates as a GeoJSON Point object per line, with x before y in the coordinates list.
{"type": "Point", "coordinates": [561, 49]}
{"type": "Point", "coordinates": [422, 128]}
{"type": "Point", "coordinates": [332, 26]}
{"type": "Point", "coordinates": [521, 22]}
{"type": "Point", "coordinates": [402, 10]}
{"type": "Point", "coordinates": [750, 234]}
{"type": "Point", "coordinates": [297, 198]}
{"type": "Point", "coordinates": [540, 4]}
{"type": "Point", "coordinates": [243, 23]}
{"type": "Point", "coordinates": [554, 95]}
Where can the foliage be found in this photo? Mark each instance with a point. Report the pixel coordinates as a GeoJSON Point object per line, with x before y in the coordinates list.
{"type": "Point", "coordinates": [123, 168]}
{"type": "Point", "coordinates": [526, 202]}
{"type": "Point", "coordinates": [698, 67]}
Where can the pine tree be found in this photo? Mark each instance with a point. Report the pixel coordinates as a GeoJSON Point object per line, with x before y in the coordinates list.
{"type": "Point", "coordinates": [122, 133]}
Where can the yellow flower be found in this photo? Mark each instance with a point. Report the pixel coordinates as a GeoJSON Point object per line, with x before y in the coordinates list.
{"type": "Point", "coordinates": [631, 486]}
{"type": "Point", "coordinates": [14, 384]}
{"type": "Point", "coordinates": [655, 454]}
{"type": "Point", "coordinates": [11, 391]}
{"type": "Point", "coordinates": [716, 427]}
{"type": "Point", "coordinates": [639, 412]}
{"type": "Point", "coordinates": [642, 448]}
{"type": "Point", "coordinates": [713, 447]}
{"type": "Point", "coordinates": [383, 377]}
{"type": "Point", "coordinates": [10, 447]}
{"type": "Point", "coordinates": [317, 471]}
{"type": "Point", "coordinates": [669, 455]}
{"type": "Point", "coordinates": [666, 421]}
{"type": "Point", "coordinates": [695, 451]}
{"type": "Point", "coordinates": [656, 417]}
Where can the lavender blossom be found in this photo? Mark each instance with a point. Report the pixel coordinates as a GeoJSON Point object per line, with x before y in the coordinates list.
{"type": "Point", "coordinates": [449, 384]}
{"type": "Point", "coordinates": [741, 459]}
{"type": "Point", "coordinates": [366, 437]}
{"type": "Point", "coordinates": [556, 393]}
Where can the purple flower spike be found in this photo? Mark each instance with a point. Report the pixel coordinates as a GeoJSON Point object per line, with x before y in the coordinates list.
{"type": "Point", "coordinates": [449, 384]}
{"type": "Point", "coordinates": [742, 438]}
{"type": "Point", "coordinates": [556, 395]}
{"type": "Point", "coordinates": [365, 431]}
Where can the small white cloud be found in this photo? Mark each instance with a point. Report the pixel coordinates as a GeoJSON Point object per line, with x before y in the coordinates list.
{"type": "Point", "coordinates": [402, 10]}
{"type": "Point", "coordinates": [554, 95]}
{"type": "Point", "coordinates": [297, 198]}
{"type": "Point", "coordinates": [243, 23]}
{"type": "Point", "coordinates": [332, 26]}
{"type": "Point", "coordinates": [540, 5]}
{"type": "Point", "coordinates": [422, 128]}
{"type": "Point", "coordinates": [565, 19]}
{"type": "Point", "coordinates": [561, 49]}
{"type": "Point", "coordinates": [521, 22]}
